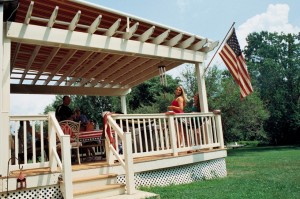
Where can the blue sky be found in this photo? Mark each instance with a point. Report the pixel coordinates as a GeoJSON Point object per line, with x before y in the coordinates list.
{"type": "Point", "coordinates": [210, 19]}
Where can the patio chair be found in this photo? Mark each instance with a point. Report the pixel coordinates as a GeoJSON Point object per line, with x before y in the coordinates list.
{"type": "Point", "coordinates": [72, 128]}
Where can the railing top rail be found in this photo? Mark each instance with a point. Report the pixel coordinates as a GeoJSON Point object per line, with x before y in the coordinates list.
{"type": "Point", "coordinates": [157, 115]}
{"type": "Point", "coordinates": [193, 114]}
{"type": "Point", "coordinates": [28, 117]}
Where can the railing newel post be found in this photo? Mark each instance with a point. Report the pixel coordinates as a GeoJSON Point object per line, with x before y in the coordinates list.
{"type": "Point", "coordinates": [217, 114]}
{"type": "Point", "coordinates": [172, 133]}
{"type": "Point", "coordinates": [130, 184]}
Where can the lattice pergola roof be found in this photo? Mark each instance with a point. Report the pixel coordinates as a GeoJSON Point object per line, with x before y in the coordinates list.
{"type": "Point", "coordinates": [75, 47]}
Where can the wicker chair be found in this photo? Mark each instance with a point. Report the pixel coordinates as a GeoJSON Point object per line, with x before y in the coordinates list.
{"type": "Point", "coordinates": [72, 128]}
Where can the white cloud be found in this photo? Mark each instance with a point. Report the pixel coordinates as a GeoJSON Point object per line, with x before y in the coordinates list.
{"type": "Point", "coordinates": [275, 19]}
{"type": "Point", "coordinates": [22, 104]}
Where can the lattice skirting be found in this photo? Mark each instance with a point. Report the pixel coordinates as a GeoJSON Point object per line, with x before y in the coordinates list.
{"type": "Point", "coordinates": [180, 175]}
{"type": "Point", "coordinates": [52, 192]}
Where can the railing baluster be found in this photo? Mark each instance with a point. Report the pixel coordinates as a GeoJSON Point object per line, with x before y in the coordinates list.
{"type": "Point", "coordinates": [134, 136]}
{"type": "Point", "coordinates": [166, 132]}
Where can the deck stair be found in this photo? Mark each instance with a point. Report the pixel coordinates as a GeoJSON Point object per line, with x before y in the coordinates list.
{"type": "Point", "coordinates": [100, 186]}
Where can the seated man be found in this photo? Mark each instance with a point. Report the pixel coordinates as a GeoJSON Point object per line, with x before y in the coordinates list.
{"type": "Point", "coordinates": [63, 111]}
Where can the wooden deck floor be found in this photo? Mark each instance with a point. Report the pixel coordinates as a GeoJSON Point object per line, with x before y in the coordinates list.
{"type": "Point", "coordinates": [99, 162]}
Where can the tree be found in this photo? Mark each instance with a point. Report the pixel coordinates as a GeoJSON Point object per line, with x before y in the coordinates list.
{"type": "Point", "coordinates": [149, 94]}
{"type": "Point", "coordinates": [242, 120]}
{"type": "Point", "coordinates": [274, 64]}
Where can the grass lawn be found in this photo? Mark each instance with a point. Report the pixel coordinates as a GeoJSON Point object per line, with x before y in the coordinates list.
{"type": "Point", "coordinates": [260, 172]}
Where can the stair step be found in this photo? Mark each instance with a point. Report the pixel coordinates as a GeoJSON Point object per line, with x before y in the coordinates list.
{"type": "Point", "coordinates": [100, 191]}
{"type": "Point", "coordinates": [93, 181]}
{"type": "Point", "coordinates": [98, 177]}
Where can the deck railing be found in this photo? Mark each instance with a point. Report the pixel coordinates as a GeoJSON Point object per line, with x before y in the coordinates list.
{"type": "Point", "coordinates": [155, 134]}
{"type": "Point", "coordinates": [46, 154]}
{"type": "Point", "coordinates": [132, 135]}
{"type": "Point", "coordinates": [30, 154]}
{"type": "Point", "coordinates": [140, 135]}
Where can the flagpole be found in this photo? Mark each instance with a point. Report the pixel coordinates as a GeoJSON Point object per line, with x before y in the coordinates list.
{"type": "Point", "coordinates": [219, 47]}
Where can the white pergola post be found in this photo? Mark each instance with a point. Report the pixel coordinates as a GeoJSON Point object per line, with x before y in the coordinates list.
{"type": "Point", "coordinates": [5, 45]}
{"type": "Point", "coordinates": [123, 104]}
{"type": "Point", "coordinates": [201, 87]}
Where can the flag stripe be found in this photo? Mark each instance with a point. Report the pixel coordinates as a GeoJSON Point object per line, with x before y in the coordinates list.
{"type": "Point", "coordinates": [233, 58]}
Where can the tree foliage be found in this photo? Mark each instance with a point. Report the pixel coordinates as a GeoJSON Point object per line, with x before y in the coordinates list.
{"type": "Point", "coordinates": [242, 120]}
{"type": "Point", "coordinates": [274, 64]}
{"type": "Point", "coordinates": [151, 96]}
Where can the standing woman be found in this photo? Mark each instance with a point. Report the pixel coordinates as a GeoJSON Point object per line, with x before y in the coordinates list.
{"type": "Point", "coordinates": [179, 102]}
{"type": "Point", "coordinates": [196, 104]}
{"type": "Point", "coordinates": [177, 106]}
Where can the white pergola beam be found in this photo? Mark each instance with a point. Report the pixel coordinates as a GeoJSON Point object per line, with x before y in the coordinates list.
{"type": "Point", "coordinates": [187, 42]}
{"type": "Point", "coordinates": [199, 44]}
{"type": "Point", "coordinates": [161, 38]}
{"type": "Point", "coordinates": [80, 61]}
{"type": "Point", "coordinates": [29, 12]}
{"type": "Point", "coordinates": [112, 30]}
{"type": "Point", "coordinates": [53, 17]}
{"type": "Point", "coordinates": [105, 66]}
{"type": "Point", "coordinates": [33, 34]}
{"type": "Point", "coordinates": [93, 63]}
{"type": "Point", "coordinates": [174, 41]}
{"type": "Point", "coordinates": [95, 25]}
{"type": "Point", "coordinates": [75, 21]}
{"type": "Point", "coordinates": [133, 74]}
{"type": "Point", "coordinates": [119, 75]}
{"type": "Point", "coordinates": [146, 35]}
{"type": "Point", "coordinates": [111, 71]}
{"type": "Point", "coordinates": [211, 47]}
{"type": "Point", "coordinates": [29, 63]}
{"type": "Point", "coordinates": [66, 90]}
{"type": "Point", "coordinates": [45, 64]}
{"type": "Point", "coordinates": [131, 31]}
{"type": "Point", "coordinates": [100, 69]}
{"type": "Point", "coordinates": [60, 65]}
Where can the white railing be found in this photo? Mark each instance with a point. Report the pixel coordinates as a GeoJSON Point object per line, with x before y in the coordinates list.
{"type": "Point", "coordinates": [45, 153]}
{"type": "Point", "coordinates": [134, 135]}
{"type": "Point", "coordinates": [113, 133]}
{"type": "Point", "coordinates": [140, 135]}
{"type": "Point", "coordinates": [65, 151]}
{"type": "Point", "coordinates": [32, 154]}
{"type": "Point", "coordinates": [156, 134]}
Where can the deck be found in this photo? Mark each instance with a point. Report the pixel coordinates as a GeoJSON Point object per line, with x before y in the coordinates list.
{"type": "Point", "coordinates": [141, 150]}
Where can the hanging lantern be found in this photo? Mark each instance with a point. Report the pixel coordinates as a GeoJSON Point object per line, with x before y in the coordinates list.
{"type": "Point", "coordinates": [162, 75]}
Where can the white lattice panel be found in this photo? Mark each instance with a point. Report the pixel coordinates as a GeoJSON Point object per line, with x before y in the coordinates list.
{"type": "Point", "coordinates": [180, 175]}
{"type": "Point", "coordinates": [52, 192]}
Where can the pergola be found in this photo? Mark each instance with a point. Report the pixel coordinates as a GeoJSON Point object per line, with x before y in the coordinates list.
{"type": "Point", "coordinates": [76, 47]}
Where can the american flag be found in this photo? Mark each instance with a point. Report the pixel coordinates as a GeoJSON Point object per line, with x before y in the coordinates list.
{"type": "Point", "coordinates": [233, 58]}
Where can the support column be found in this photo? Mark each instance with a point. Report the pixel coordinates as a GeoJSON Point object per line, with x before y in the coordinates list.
{"type": "Point", "coordinates": [123, 104]}
{"type": "Point", "coordinates": [201, 87]}
{"type": "Point", "coordinates": [5, 48]}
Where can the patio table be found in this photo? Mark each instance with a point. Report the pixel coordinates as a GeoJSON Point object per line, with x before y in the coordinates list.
{"type": "Point", "coordinates": [90, 136]}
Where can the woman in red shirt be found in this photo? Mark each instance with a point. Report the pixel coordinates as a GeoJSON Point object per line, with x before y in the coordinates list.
{"type": "Point", "coordinates": [177, 106]}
